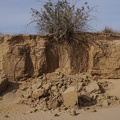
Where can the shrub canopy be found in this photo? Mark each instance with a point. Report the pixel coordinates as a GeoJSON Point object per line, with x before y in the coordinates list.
{"type": "Point", "coordinates": [62, 18]}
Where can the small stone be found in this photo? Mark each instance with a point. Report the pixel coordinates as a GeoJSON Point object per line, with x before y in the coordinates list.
{"type": "Point", "coordinates": [41, 105]}
{"type": "Point", "coordinates": [92, 87]}
{"type": "Point", "coordinates": [53, 88]}
{"type": "Point", "coordinates": [27, 94]}
{"type": "Point", "coordinates": [23, 88]}
{"type": "Point", "coordinates": [79, 87]}
{"type": "Point", "coordinates": [116, 98]}
{"type": "Point", "coordinates": [85, 98]}
{"type": "Point", "coordinates": [54, 104]}
{"type": "Point", "coordinates": [57, 72]}
{"type": "Point", "coordinates": [63, 108]}
{"type": "Point", "coordinates": [45, 109]}
{"type": "Point", "coordinates": [56, 115]}
{"type": "Point", "coordinates": [46, 86]}
{"type": "Point", "coordinates": [96, 78]}
{"type": "Point", "coordinates": [70, 97]}
{"type": "Point", "coordinates": [6, 116]}
{"type": "Point", "coordinates": [33, 110]}
{"type": "Point", "coordinates": [73, 112]}
{"type": "Point", "coordinates": [38, 93]}
{"type": "Point", "coordinates": [61, 75]}
{"type": "Point", "coordinates": [46, 98]}
{"type": "Point", "coordinates": [105, 103]}
{"type": "Point", "coordinates": [44, 78]}
{"type": "Point", "coordinates": [60, 85]}
{"type": "Point", "coordinates": [94, 110]}
{"type": "Point", "coordinates": [36, 85]}
{"type": "Point", "coordinates": [55, 93]}
{"type": "Point", "coordinates": [94, 96]}
{"type": "Point", "coordinates": [63, 88]}
{"type": "Point", "coordinates": [30, 111]}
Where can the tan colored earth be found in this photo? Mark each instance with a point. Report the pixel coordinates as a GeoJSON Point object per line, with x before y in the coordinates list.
{"type": "Point", "coordinates": [11, 109]}
{"type": "Point", "coordinates": [40, 79]}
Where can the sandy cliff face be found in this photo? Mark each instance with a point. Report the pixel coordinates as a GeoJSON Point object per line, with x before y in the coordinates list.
{"type": "Point", "coordinates": [106, 60]}
{"type": "Point", "coordinates": [24, 56]}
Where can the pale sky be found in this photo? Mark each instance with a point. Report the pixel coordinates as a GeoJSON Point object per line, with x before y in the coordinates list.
{"type": "Point", "coordinates": [16, 14]}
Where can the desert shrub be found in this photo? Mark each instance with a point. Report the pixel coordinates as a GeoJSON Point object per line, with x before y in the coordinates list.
{"type": "Point", "coordinates": [108, 29]}
{"type": "Point", "coordinates": [62, 19]}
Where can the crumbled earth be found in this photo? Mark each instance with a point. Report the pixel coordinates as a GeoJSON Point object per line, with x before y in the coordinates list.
{"type": "Point", "coordinates": [57, 91]}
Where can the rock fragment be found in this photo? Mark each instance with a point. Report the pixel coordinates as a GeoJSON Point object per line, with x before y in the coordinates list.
{"type": "Point", "coordinates": [73, 112]}
{"type": "Point", "coordinates": [38, 93]}
{"type": "Point", "coordinates": [105, 103]}
{"type": "Point", "coordinates": [70, 97]}
{"type": "Point", "coordinates": [36, 85]}
{"type": "Point", "coordinates": [92, 87]}
{"type": "Point", "coordinates": [46, 86]}
{"type": "Point", "coordinates": [54, 104]}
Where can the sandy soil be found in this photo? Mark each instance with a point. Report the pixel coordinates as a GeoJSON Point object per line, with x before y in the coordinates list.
{"type": "Point", "coordinates": [10, 109]}
{"type": "Point", "coordinates": [102, 114]}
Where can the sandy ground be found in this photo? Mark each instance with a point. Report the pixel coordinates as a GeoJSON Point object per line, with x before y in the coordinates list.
{"type": "Point", "coordinates": [11, 110]}
{"type": "Point", "coordinates": [103, 114]}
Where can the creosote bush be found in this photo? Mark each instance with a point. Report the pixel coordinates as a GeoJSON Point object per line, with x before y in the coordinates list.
{"type": "Point", "coordinates": [62, 19]}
